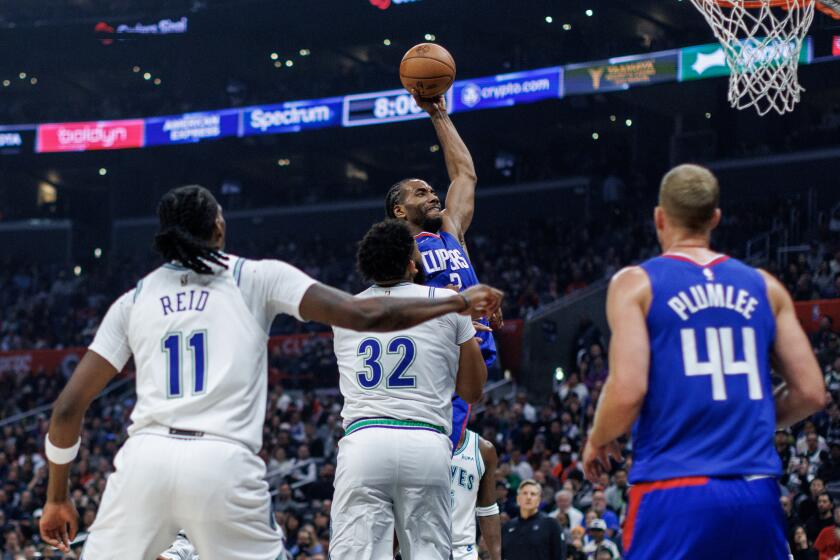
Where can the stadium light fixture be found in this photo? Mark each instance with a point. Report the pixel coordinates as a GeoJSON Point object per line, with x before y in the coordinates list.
{"type": "Point", "coordinates": [157, 81]}
{"type": "Point", "coordinates": [274, 56]}
{"type": "Point", "coordinates": [595, 136]}
{"type": "Point", "coordinates": [429, 37]}
{"type": "Point", "coordinates": [549, 19]}
{"type": "Point", "coordinates": [97, 253]}
{"type": "Point", "coordinates": [135, 69]}
{"type": "Point", "coordinates": [103, 171]}
{"type": "Point", "coordinates": [77, 270]}
{"type": "Point", "coordinates": [304, 52]}
{"type": "Point", "coordinates": [387, 42]}
{"type": "Point", "coordinates": [708, 115]}
{"type": "Point", "coordinates": [589, 13]}
{"type": "Point", "coordinates": [567, 26]}
{"type": "Point", "coordinates": [612, 118]}
{"type": "Point", "coordinates": [290, 63]}
{"type": "Point", "coordinates": [6, 83]}
{"type": "Point", "coordinates": [33, 80]}
{"type": "Point", "coordinates": [22, 75]}
{"type": "Point", "coordinates": [147, 76]}
{"type": "Point", "coordinates": [629, 122]}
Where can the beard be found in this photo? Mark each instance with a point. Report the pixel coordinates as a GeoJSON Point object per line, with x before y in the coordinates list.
{"type": "Point", "coordinates": [432, 225]}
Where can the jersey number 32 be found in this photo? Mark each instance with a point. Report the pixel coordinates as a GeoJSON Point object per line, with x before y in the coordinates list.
{"type": "Point", "coordinates": [370, 350]}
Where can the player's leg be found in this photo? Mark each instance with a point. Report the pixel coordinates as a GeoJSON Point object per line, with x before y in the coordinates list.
{"type": "Point", "coordinates": [460, 418]}
{"type": "Point", "coordinates": [223, 502]}
{"type": "Point", "coordinates": [422, 501]}
{"type": "Point", "coordinates": [134, 521]}
{"type": "Point", "coordinates": [719, 518]}
{"type": "Point", "coordinates": [758, 521]}
{"type": "Point", "coordinates": [362, 514]}
{"type": "Point", "coordinates": [465, 552]}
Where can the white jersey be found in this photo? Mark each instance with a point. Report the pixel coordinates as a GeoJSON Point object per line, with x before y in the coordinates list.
{"type": "Point", "coordinates": [407, 375]}
{"type": "Point", "coordinates": [199, 345]}
{"type": "Point", "coordinates": [465, 473]}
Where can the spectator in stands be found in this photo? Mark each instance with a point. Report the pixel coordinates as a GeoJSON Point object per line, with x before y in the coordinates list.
{"type": "Point", "coordinates": [616, 494]}
{"type": "Point", "coordinates": [597, 531]}
{"type": "Point", "coordinates": [807, 502]}
{"type": "Point", "coordinates": [822, 519]}
{"type": "Point", "coordinates": [563, 499]}
{"type": "Point", "coordinates": [801, 547]}
{"type": "Point", "coordinates": [791, 518]}
{"type": "Point", "coordinates": [599, 506]}
{"type": "Point", "coordinates": [828, 541]}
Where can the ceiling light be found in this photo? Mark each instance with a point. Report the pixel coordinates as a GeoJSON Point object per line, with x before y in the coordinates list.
{"type": "Point", "coordinates": [589, 13]}
{"type": "Point", "coordinates": [274, 56]}
{"type": "Point", "coordinates": [549, 19]}
{"type": "Point", "coordinates": [135, 69]}
{"type": "Point", "coordinates": [147, 76]}
{"type": "Point", "coordinates": [103, 171]}
{"type": "Point", "coordinates": [304, 52]}
{"type": "Point", "coordinates": [387, 42]}
{"type": "Point", "coordinates": [629, 122]}
{"type": "Point", "coordinates": [33, 81]}
{"type": "Point", "coordinates": [567, 26]}
{"type": "Point", "coordinates": [157, 81]}
{"type": "Point", "coordinates": [290, 63]}
{"type": "Point", "coordinates": [595, 135]}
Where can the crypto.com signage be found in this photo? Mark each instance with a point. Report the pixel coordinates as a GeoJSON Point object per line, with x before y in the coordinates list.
{"type": "Point", "coordinates": [385, 4]}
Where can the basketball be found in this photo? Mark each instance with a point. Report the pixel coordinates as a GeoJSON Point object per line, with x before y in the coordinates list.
{"type": "Point", "coordinates": [427, 68]}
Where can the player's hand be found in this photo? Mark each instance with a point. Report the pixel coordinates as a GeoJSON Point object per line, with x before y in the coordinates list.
{"type": "Point", "coordinates": [481, 327]}
{"type": "Point", "coordinates": [497, 321]}
{"type": "Point", "coordinates": [596, 460]}
{"type": "Point", "coordinates": [59, 524]}
{"type": "Point", "coordinates": [430, 105]}
{"type": "Point", "coordinates": [483, 301]}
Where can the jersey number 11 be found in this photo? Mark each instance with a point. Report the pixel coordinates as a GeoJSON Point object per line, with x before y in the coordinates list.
{"type": "Point", "coordinates": [197, 347]}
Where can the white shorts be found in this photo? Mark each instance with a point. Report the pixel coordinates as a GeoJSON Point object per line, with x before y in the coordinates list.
{"type": "Point", "coordinates": [387, 480]}
{"type": "Point", "coordinates": [465, 552]}
{"type": "Point", "coordinates": [212, 490]}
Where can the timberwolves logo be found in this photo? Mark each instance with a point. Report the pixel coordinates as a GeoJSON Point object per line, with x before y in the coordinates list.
{"type": "Point", "coordinates": [471, 95]}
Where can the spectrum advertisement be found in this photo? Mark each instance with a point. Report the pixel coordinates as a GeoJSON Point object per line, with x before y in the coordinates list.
{"type": "Point", "coordinates": [292, 117]}
{"type": "Point", "coordinates": [506, 90]}
{"type": "Point", "coordinates": [193, 127]}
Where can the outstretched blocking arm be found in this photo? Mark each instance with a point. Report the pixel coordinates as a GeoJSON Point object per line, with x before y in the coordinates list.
{"type": "Point", "coordinates": [460, 198]}
{"type": "Point", "coordinates": [491, 527]}
{"type": "Point", "coordinates": [59, 522]}
{"type": "Point", "coordinates": [803, 391]}
{"type": "Point", "coordinates": [327, 305]}
{"type": "Point", "coordinates": [624, 392]}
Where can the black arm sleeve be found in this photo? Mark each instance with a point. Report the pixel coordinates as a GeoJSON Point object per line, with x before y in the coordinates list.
{"type": "Point", "coordinates": [557, 541]}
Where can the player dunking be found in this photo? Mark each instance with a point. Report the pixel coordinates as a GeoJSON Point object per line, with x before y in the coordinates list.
{"type": "Point", "coordinates": [440, 233]}
{"type": "Point", "coordinates": [693, 332]}
{"type": "Point", "coordinates": [397, 388]}
{"type": "Point", "coordinates": [197, 328]}
{"type": "Point", "coordinates": [472, 482]}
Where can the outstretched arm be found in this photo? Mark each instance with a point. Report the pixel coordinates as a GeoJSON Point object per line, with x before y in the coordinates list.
{"type": "Point", "coordinates": [460, 198]}
{"type": "Point", "coordinates": [624, 391]}
{"type": "Point", "coordinates": [803, 392]}
{"type": "Point", "coordinates": [491, 527]}
{"type": "Point", "coordinates": [60, 520]}
{"type": "Point", "coordinates": [381, 314]}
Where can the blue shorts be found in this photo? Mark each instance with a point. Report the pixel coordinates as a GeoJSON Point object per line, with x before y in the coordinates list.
{"type": "Point", "coordinates": [460, 417]}
{"type": "Point", "coordinates": [701, 518]}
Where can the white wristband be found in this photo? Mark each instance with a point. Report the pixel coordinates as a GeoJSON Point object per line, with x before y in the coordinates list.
{"type": "Point", "coordinates": [487, 511]}
{"type": "Point", "coordinates": [61, 455]}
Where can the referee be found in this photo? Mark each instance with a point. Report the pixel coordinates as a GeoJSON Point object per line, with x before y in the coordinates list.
{"type": "Point", "coordinates": [533, 535]}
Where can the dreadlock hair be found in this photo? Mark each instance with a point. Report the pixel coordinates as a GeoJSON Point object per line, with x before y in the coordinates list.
{"type": "Point", "coordinates": [394, 197]}
{"type": "Point", "coordinates": [384, 251]}
{"type": "Point", "coordinates": [187, 219]}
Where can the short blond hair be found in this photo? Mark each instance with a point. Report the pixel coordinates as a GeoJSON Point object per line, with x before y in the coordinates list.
{"type": "Point", "coordinates": [529, 482]}
{"type": "Point", "coordinates": [690, 194]}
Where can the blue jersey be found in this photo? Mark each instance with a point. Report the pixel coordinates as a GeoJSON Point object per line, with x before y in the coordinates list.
{"type": "Point", "coordinates": [709, 409]}
{"type": "Point", "coordinates": [446, 263]}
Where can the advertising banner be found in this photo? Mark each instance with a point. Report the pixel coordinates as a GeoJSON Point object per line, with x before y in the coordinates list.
{"type": "Point", "coordinates": [810, 313]}
{"type": "Point", "coordinates": [620, 73]}
{"type": "Point", "coordinates": [293, 116]}
{"type": "Point", "coordinates": [192, 127]}
{"type": "Point", "coordinates": [50, 361]}
{"type": "Point", "coordinates": [835, 45]}
{"type": "Point", "coordinates": [709, 61]}
{"type": "Point", "coordinates": [506, 90]}
{"type": "Point", "coordinates": [17, 140]}
{"type": "Point", "coordinates": [83, 136]}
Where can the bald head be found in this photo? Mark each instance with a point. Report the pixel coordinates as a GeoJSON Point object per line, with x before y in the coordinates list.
{"type": "Point", "coordinates": [689, 195]}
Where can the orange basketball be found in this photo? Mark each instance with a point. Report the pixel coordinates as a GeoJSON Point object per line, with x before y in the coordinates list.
{"type": "Point", "coordinates": [427, 68]}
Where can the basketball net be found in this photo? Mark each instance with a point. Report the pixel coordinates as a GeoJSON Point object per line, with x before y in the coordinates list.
{"type": "Point", "coordinates": [762, 40]}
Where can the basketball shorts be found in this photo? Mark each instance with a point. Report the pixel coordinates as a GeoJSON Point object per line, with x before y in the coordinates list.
{"type": "Point", "coordinates": [391, 479]}
{"type": "Point", "coordinates": [460, 418]}
{"type": "Point", "coordinates": [212, 490]}
{"type": "Point", "coordinates": [699, 518]}
{"type": "Point", "coordinates": [465, 552]}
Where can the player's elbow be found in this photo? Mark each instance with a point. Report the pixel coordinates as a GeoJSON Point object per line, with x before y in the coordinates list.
{"type": "Point", "coordinates": [470, 382]}
{"type": "Point", "coordinates": [471, 394]}
{"type": "Point", "coordinates": [65, 410]}
{"type": "Point", "coordinates": [814, 397]}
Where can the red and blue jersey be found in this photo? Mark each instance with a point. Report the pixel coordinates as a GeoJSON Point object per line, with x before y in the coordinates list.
{"type": "Point", "coordinates": [709, 409]}
{"type": "Point", "coordinates": [446, 263]}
